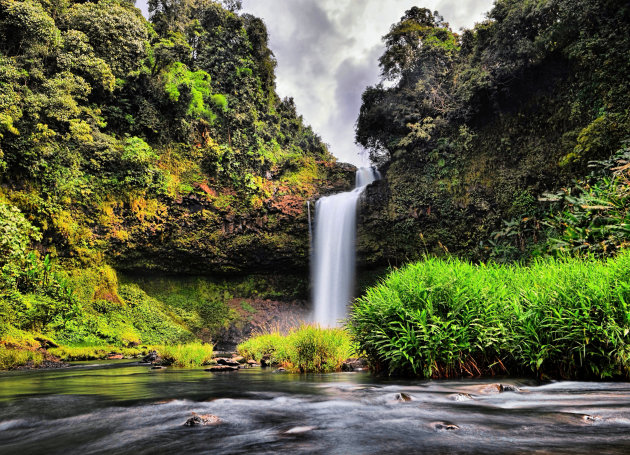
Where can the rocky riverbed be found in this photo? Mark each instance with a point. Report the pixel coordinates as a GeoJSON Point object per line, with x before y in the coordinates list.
{"type": "Point", "coordinates": [119, 407]}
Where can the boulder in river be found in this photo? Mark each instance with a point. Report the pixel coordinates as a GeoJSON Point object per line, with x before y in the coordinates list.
{"type": "Point", "coordinates": [404, 397]}
{"type": "Point", "coordinates": [227, 362]}
{"type": "Point", "coordinates": [202, 420]}
{"type": "Point", "coordinates": [508, 388]}
{"type": "Point", "coordinates": [151, 357]}
{"type": "Point", "coordinates": [354, 364]}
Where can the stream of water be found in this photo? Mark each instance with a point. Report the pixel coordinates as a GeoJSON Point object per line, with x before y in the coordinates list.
{"type": "Point", "coordinates": [121, 408]}
{"type": "Point", "coordinates": [334, 251]}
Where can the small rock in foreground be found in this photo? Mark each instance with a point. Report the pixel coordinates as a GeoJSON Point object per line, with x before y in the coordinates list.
{"type": "Point", "coordinates": [590, 419]}
{"type": "Point", "coordinates": [443, 426]}
{"type": "Point", "coordinates": [202, 420]}
{"type": "Point", "coordinates": [299, 430]}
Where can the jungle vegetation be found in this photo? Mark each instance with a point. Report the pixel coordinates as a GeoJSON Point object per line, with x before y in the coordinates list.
{"type": "Point", "coordinates": [504, 141]}
{"type": "Point", "coordinates": [506, 151]}
{"type": "Point", "coordinates": [140, 144]}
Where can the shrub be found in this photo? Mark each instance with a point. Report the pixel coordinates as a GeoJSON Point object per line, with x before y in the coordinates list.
{"type": "Point", "coordinates": [563, 318]}
{"type": "Point", "coordinates": [305, 350]}
{"type": "Point", "coordinates": [189, 355]}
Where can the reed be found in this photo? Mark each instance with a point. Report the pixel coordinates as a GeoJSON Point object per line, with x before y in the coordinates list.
{"type": "Point", "coordinates": [188, 355]}
{"type": "Point", "coordinates": [557, 318]}
{"type": "Point", "coordinates": [308, 349]}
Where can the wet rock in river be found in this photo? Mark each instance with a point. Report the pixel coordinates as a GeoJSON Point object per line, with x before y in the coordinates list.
{"type": "Point", "coordinates": [403, 397]}
{"type": "Point", "coordinates": [280, 370]}
{"type": "Point", "coordinates": [443, 426]}
{"type": "Point", "coordinates": [158, 367]}
{"type": "Point", "coordinates": [591, 419]}
{"type": "Point", "coordinates": [115, 356]}
{"type": "Point", "coordinates": [239, 359]}
{"type": "Point", "coordinates": [508, 388]}
{"type": "Point", "coordinates": [222, 368]}
{"type": "Point", "coordinates": [299, 430]}
{"type": "Point", "coordinates": [227, 362]}
{"type": "Point", "coordinates": [202, 420]}
{"type": "Point", "coordinates": [151, 357]}
{"type": "Point", "coordinates": [354, 364]}
{"type": "Point", "coordinates": [462, 397]}
{"type": "Point", "coordinates": [252, 363]}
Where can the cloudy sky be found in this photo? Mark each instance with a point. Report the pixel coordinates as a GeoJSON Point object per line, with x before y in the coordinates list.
{"type": "Point", "coordinates": [327, 52]}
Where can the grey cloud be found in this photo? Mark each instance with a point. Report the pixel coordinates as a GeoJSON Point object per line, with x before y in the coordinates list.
{"type": "Point", "coordinates": [327, 52]}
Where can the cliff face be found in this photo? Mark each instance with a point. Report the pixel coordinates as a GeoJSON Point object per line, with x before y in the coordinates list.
{"type": "Point", "coordinates": [199, 234]}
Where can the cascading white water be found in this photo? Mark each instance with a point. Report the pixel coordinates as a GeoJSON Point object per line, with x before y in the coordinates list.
{"type": "Point", "coordinates": [334, 251]}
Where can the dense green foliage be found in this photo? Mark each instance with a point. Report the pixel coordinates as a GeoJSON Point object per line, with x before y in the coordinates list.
{"type": "Point", "coordinates": [308, 349]}
{"type": "Point", "coordinates": [110, 123]}
{"type": "Point", "coordinates": [471, 129]}
{"type": "Point", "coordinates": [141, 145]}
{"type": "Point", "coordinates": [559, 318]}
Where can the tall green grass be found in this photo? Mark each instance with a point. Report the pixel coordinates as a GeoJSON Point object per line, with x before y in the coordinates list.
{"type": "Point", "coordinates": [562, 318]}
{"type": "Point", "coordinates": [13, 358]}
{"type": "Point", "coordinates": [189, 355]}
{"type": "Point", "coordinates": [309, 349]}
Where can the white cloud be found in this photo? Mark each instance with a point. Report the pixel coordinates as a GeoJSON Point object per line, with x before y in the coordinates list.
{"type": "Point", "coordinates": [327, 52]}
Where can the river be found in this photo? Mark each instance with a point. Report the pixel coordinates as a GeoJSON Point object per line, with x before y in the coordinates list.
{"type": "Point", "coordinates": [124, 408]}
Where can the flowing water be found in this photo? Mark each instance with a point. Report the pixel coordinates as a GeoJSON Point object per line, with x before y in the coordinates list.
{"type": "Point", "coordinates": [129, 409]}
{"type": "Point", "coordinates": [334, 251]}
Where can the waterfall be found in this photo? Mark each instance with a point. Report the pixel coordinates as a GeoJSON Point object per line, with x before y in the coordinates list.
{"type": "Point", "coordinates": [334, 252]}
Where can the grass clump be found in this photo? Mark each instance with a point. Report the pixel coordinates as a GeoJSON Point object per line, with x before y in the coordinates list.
{"type": "Point", "coordinates": [562, 318]}
{"type": "Point", "coordinates": [189, 355]}
{"type": "Point", "coordinates": [309, 349]}
{"type": "Point", "coordinates": [13, 358]}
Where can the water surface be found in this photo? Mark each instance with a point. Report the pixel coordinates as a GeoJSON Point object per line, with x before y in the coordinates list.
{"type": "Point", "coordinates": [129, 409]}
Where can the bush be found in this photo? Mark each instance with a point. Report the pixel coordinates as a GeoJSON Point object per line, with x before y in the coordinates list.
{"type": "Point", "coordinates": [189, 355]}
{"type": "Point", "coordinates": [305, 350]}
{"type": "Point", "coordinates": [565, 318]}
